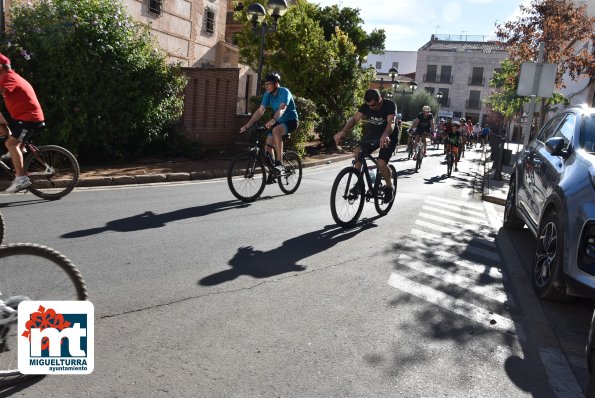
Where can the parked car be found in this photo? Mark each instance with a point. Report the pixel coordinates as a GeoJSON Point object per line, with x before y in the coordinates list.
{"type": "Point", "coordinates": [552, 191]}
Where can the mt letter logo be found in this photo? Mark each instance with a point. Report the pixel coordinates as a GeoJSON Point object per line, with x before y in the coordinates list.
{"type": "Point", "coordinates": [56, 337]}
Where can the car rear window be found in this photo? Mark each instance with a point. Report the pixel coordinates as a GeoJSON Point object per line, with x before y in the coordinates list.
{"type": "Point", "coordinates": [588, 134]}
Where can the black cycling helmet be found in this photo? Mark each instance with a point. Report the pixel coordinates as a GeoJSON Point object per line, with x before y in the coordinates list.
{"type": "Point", "coordinates": [273, 77]}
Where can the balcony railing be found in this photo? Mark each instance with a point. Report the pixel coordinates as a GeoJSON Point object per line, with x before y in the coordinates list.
{"type": "Point", "coordinates": [473, 104]}
{"type": "Point", "coordinates": [447, 79]}
{"type": "Point", "coordinates": [477, 81]}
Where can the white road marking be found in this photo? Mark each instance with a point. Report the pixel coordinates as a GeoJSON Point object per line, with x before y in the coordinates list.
{"type": "Point", "coordinates": [453, 304]}
{"type": "Point", "coordinates": [458, 217]}
{"type": "Point", "coordinates": [488, 291]}
{"type": "Point", "coordinates": [462, 239]}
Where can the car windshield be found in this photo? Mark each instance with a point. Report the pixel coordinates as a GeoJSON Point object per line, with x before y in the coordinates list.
{"type": "Point", "coordinates": [588, 136]}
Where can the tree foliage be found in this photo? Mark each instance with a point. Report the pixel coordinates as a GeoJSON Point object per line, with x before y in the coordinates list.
{"type": "Point", "coordinates": [105, 89]}
{"type": "Point", "coordinates": [349, 21]}
{"type": "Point", "coordinates": [559, 24]}
{"type": "Point", "coordinates": [324, 69]}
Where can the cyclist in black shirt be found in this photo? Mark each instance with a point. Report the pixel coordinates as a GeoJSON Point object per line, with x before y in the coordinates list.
{"type": "Point", "coordinates": [424, 125]}
{"type": "Point", "coordinates": [380, 116]}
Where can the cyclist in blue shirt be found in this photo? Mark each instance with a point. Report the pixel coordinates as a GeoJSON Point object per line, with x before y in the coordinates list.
{"type": "Point", "coordinates": [285, 116]}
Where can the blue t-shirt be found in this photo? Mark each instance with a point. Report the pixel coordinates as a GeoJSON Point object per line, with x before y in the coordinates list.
{"type": "Point", "coordinates": [274, 101]}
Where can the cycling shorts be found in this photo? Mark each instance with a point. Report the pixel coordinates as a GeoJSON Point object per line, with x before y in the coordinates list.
{"type": "Point", "coordinates": [17, 127]}
{"type": "Point", "coordinates": [385, 153]}
{"type": "Point", "coordinates": [290, 125]}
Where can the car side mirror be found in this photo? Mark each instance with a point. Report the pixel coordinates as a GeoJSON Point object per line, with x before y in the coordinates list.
{"type": "Point", "coordinates": [555, 146]}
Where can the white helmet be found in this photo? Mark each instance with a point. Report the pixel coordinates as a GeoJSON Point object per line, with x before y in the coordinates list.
{"type": "Point", "coordinates": [426, 108]}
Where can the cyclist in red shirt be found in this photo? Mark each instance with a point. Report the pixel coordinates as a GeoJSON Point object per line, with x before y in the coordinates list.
{"type": "Point", "coordinates": [24, 113]}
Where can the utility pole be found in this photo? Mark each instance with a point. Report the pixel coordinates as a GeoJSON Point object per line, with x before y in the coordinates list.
{"type": "Point", "coordinates": [531, 110]}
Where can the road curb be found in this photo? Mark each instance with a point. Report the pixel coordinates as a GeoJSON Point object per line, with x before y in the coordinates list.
{"type": "Point", "coordinates": [185, 176]}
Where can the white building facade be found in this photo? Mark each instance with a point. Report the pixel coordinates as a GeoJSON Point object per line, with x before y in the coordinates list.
{"type": "Point", "coordinates": [461, 71]}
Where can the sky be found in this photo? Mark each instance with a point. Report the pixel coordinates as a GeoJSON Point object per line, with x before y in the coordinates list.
{"type": "Point", "coordinates": [409, 24]}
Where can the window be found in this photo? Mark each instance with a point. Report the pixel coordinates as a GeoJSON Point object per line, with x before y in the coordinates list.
{"type": "Point", "coordinates": [430, 90]}
{"type": "Point", "coordinates": [396, 65]}
{"type": "Point", "coordinates": [549, 129]}
{"type": "Point", "coordinates": [587, 138]}
{"type": "Point", "coordinates": [209, 21]}
{"type": "Point", "coordinates": [155, 6]}
{"type": "Point", "coordinates": [431, 72]}
{"type": "Point", "coordinates": [444, 101]}
{"type": "Point", "coordinates": [476, 77]}
{"type": "Point", "coordinates": [473, 102]}
{"type": "Point", "coordinates": [566, 129]}
{"type": "Point", "coordinates": [445, 74]}
{"type": "Point", "coordinates": [378, 65]}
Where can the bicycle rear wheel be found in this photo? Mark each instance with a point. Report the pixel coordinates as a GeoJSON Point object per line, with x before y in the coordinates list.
{"type": "Point", "coordinates": [419, 156]}
{"type": "Point", "coordinates": [290, 180]}
{"type": "Point", "coordinates": [383, 207]}
{"type": "Point", "coordinates": [347, 197]}
{"type": "Point", "coordinates": [246, 177]}
{"type": "Point", "coordinates": [53, 171]}
{"type": "Point", "coordinates": [31, 272]}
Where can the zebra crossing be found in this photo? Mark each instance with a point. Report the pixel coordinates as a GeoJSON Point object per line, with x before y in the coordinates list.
{"type": "Point", "coordinates": [449, 259]}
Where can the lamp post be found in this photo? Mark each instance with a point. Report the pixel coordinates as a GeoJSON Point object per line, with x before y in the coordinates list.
{"type": "Point", "coordinates": [439, 98]}
{"type": "Point", "coordinates": [256, 14]}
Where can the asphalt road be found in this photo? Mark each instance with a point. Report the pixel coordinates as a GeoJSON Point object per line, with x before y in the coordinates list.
{"type": "Point", "coordinates": [197, 294]}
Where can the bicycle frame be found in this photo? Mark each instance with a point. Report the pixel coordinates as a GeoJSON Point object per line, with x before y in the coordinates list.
{"type": "Point", "coordinates": [31, 150]}
{"type": "Point", "coordinates": [7, 314]}
{"type": "Point", "coordinates": [363, 155]}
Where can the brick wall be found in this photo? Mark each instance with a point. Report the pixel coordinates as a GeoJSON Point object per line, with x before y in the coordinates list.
{"type": "Point", "coordinates": [210, 106]}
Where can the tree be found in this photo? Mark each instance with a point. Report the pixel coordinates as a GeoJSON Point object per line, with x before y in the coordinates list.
{"type": "Point", "coordinates": [348, 21]}
{"type": "Point", "coordinates": [325, 71]}
{"type": "Point", "coordinates": [106, 91]}
{"type": "Point", "coordinates": [559, 24]}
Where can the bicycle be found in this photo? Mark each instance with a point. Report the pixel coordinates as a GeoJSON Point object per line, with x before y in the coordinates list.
{"type": "Point", "coordinates": [349, 189]}
{"type": "Point", "coordinates": [251, 170]}
{"type": "Point", "coordinates": [30, 272]}
{"type": "Point", "coordinates": [450, 158]}
{"type": "Point", "coordinates": [53, 170]}
{"type": "Point", "coordinates": [418, 151]}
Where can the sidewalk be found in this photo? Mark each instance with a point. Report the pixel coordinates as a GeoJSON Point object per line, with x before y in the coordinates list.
{"type": "Point", "coordinates": [495, 190]}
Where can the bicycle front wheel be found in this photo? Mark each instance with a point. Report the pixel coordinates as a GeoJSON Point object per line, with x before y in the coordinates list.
{"type": "Point", "coordinates": [419, 155]}
{"type": "Point", "coordinates": [31, 272]}
{"type": "Point", "coordinates": [383, 207]}
{"type": "Point", "coordinates": [449, 161]}
{"type": "Point", "coordinates": [53, 172]}
{"type": "Point", "coordinates": [2, 228]}
{"type": "Point", "coordinates": [347, 197]}
{"type": "Point", "coordinates": [246, 177]}
{"type": "Point", "coordinates": [290, 180]}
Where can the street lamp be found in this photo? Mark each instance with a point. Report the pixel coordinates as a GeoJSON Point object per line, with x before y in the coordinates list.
{"type": "Point", "coordinates": [256, 14]}
{"type": "Point", "coordinates": [439, 98]}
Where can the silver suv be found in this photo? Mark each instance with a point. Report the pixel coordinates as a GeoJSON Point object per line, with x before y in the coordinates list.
{"type": "Point", "coordinates": [552, 191]}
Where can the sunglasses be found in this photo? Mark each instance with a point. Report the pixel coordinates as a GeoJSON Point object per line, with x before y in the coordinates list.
{"type": "Point", "coordinates": [269, 84]}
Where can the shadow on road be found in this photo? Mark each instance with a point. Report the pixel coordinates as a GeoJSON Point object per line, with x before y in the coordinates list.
{"type": "Point", "coordinates": [263, 264]}
{"type": "Point", "coordinates": [13, 388]}
{"type": "Point", "coordinates": [149, 219]}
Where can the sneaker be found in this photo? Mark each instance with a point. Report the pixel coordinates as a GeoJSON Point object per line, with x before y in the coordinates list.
{"type": "Point", "coordinates": [18, 184]}
{"type": "Point", "coordinates": [279, 168]}
{"type": "Point", "coordinates": [456, 169]}
{"type": "Point", "coordinates": [388, 194]}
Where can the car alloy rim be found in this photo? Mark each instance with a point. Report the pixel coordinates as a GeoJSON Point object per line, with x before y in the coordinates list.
{"type": "Point", "coordinates": [545, 254]}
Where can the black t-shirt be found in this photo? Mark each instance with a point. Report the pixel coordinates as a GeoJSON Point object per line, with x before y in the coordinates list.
{"type": "Point", "coordinates": [425, 122]}
{"type": "Point", "coordinates": [376, 120]}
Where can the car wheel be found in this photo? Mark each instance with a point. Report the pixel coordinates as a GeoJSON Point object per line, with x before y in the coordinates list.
{"type": "Point", "coordinates": [511, 217]}
{"type": "Point", "coordinates": [547, 264]}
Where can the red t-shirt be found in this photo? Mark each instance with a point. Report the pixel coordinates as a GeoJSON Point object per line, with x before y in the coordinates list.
{"type": "Point", "coordinates": [20, 99]}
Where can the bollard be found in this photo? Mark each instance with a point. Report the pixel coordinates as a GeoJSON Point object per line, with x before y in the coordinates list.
{"type": "Point", "coordinates": [498, 164]}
